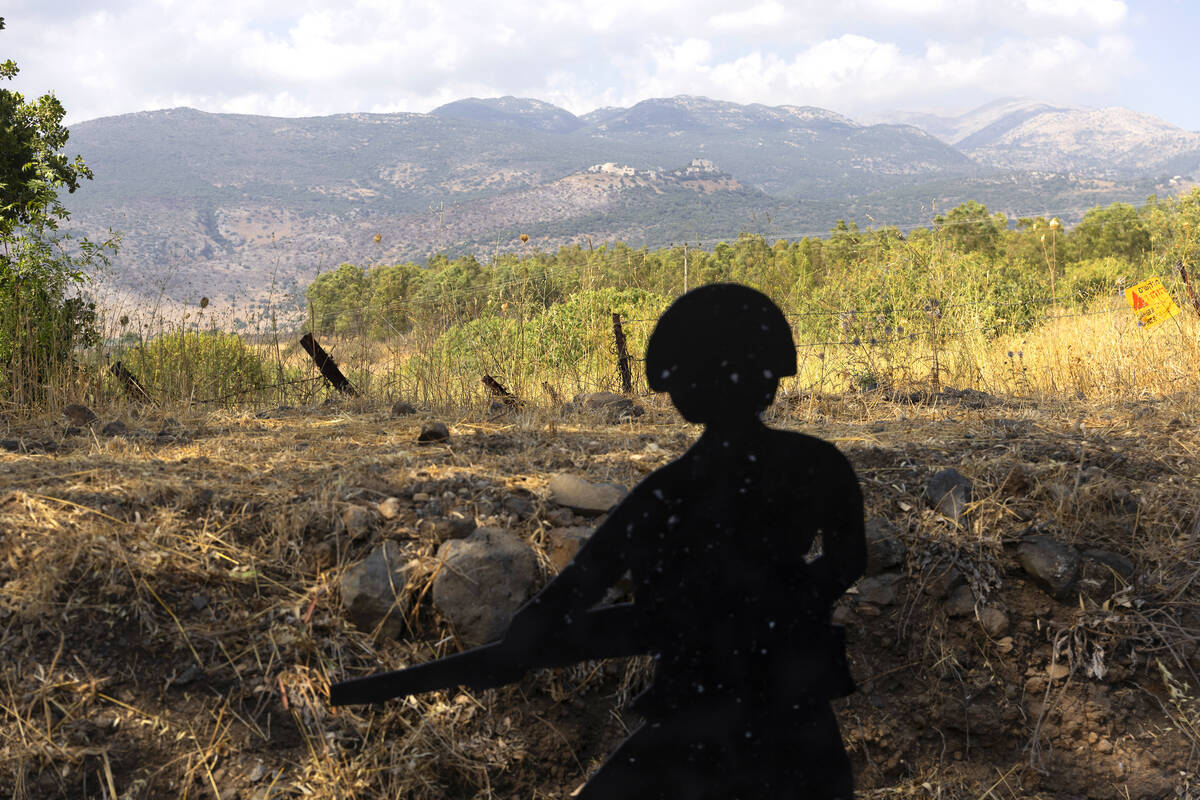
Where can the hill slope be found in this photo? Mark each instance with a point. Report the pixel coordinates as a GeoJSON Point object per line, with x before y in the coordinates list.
{"type": "Point", "coordinates": [242, 207]}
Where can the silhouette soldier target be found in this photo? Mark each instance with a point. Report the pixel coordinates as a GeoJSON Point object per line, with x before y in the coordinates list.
{"type": "Point", "coordinates": [730, 595]}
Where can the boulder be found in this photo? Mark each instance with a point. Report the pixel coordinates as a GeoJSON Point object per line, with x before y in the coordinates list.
{"type": "Point", "coordinates": [1052, 565]}
{"type": "Point", "coordinates": [482, 581]}
{"type": "Point", "coordinates": [373, 590]}
{"type": "Point", "coordinates": [574, 492]}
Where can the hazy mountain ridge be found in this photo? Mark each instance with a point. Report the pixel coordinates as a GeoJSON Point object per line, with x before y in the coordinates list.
{"type": "Point", "coordinates": [242, 206]}
{"type": "Point", "coordinates": [1022, 134]}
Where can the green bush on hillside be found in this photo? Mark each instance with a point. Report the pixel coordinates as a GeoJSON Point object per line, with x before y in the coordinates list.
{"type": "Point", "coordinates": [198, 366]}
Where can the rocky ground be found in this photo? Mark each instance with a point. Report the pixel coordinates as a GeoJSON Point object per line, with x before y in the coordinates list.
{"type": "Point", "coordinates": [177, 593]}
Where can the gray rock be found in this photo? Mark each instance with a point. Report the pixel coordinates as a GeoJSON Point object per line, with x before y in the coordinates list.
{"type": "Point", "coordinates": [884, 548]}
{"type": "Point", "coordinates": [565, 543]}
{"type": "Point", "coordinates": [1017, 482]}
{"type": "Point", "coordinates": [949, 492]}
{"type": "Point", "coordinates": [574, 492]}
{"type": "Point", "coordinates": [373, 591]}
{"type": "Point", "coordinates": [455, 526]}
{"type": "Point", "coordinates": [880, 590]}
{"type": "Point", "coordinates": [389, 508]}
{"type": "Point", "coordinates": [518, 504]}
{"type": "Point", "coordinates": [115, 428]}
{"type": "Point", "coordinates": [434, 432]}
{"type": "Point", "coordinates": [560, 517]}
{"type": "Point", "coordinates": [612, 407]}
{"type": "Point", "coordinates": [1052, 565]}
{"type": "Point", "coordinates": [357, 521]}
{"type": "Point", "coordinates": [961, 602]}
{"type": "Point", "coordinates": [1101, 573]}
{"type": "Point", "coordinates": [994, 621]}
{"type": "Point", "coordinates": [482, 581]}
{"type": "Point", "coordinates": [943, 581]}
{"type": "Point", "coordinates": [402, 409]}
{"type": "Point", "coordinates": [970, 398]}
{"type": "Point", "coordinates": [79, 415]}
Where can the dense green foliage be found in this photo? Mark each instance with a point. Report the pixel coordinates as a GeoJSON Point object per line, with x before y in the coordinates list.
{"type": "Point", "coordinates": [42, 316]}
{"type": "Point", "coordinates": [969, 255]}
{"type": "Point", "coordinates": [871, 292]}
{"type": "Point", "coordinates": [204, 366]}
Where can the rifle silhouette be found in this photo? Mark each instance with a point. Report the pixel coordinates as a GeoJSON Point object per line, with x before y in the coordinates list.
{"type": "Point", "coordinates": [606, 632]}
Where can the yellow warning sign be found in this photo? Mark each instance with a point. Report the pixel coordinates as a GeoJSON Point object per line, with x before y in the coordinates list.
{"type": "Point", "coordinates": [1151, 303]}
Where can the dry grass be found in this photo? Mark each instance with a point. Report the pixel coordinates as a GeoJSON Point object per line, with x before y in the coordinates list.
{"type": "Point", "coordinates": [170, 621]}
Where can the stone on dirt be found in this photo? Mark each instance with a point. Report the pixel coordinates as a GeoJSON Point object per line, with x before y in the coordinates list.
{"type": "Point", "coordinates": [565, 543]}
{"type": "Point", "coordinates": [402, 408]}
{"type": "Point", "coordinates": [994, 621]}
{"type": "Point", "coordinates": [115, 428]}
{"type": "Point", "coordinates": [482, 581]}
{"type": "Point", "coordinates": [434, 432]}
{"type": "Point", "coordinates": [357, 521]}
{"type": "Point", "coordinates": [581, 495]}
{"type": "Point", "coordinates": [942, 581]}
{"type": "Point", "coordinates": [880, 590]}
{"type": "Point", "coordinates": [389, 508]}
{"type": "Point", "coordinates": [373, 590]}
{"type": "Point", "coordinates": [79, 415]}
{"type": "Point", "coordinates": [884, 548]}
{"type": "Point", "coordinates": [1101, 573]}
{"type": "Point", "coordinates": [612, 407]}
{"type": "Point", "coordinates": [948, 492]}
{"type": "Point", "coordinates": [1052, 565]}
{"type": "Point", "coordinates": [961, 602]}
{"type": "Point", "coordinates": [454, 526]}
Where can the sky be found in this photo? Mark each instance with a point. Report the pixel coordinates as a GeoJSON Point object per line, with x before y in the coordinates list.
{"type": "Point", "coordinates": [860, 58]}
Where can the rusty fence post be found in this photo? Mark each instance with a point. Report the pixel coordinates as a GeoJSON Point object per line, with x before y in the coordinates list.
{"type": "Point", "coordinates": [622, 354]}
{"type": "Point", "coordinates": [327, 366]}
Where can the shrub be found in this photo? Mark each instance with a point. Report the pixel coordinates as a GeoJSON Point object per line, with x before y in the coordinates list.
{"type": "Point", "coordinates": [198, 366]}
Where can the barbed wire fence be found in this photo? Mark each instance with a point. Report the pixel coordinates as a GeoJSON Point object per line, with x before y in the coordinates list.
{"type": "Point", "coordinates": [929, 342]}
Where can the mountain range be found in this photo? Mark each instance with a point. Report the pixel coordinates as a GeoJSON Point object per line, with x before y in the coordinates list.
{"type": "Point", "coordinates": [245, 208]}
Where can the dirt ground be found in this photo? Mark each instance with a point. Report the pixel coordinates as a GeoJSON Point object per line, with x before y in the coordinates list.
{"type": "Point", "coordinates": [170, 619]}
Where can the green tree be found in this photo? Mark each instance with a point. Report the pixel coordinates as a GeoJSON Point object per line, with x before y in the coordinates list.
{"type": "Point", "coordinates": [42, 315]}
{"type": "Point", "coordinates": [1116, 230]}
{"type": "Point", "coordinates": [971, 229]}
{"type": "Point", "coordinates": [336, 300]}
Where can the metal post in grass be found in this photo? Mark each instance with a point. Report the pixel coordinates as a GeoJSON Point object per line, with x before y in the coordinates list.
{"type": "Point", "coordinates": [622, 354]}
{"type": "Point", "coordinates": [327, 366]}
{"type": "Point", "coordinates": [1187, 285]}
{"type": "Point", "coordinates": [127, 379]}
{"type": "Point", "coordinates": [499, 391]}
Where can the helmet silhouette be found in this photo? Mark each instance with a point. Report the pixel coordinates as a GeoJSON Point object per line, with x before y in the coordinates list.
{"type": "Point", "coordinates": [722, 337]}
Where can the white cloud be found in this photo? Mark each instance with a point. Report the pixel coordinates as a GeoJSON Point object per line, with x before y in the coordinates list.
{"type": "Point", "coordinates": [763, 15]}
{"type": "Point", "coordinates": [302, 57]}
